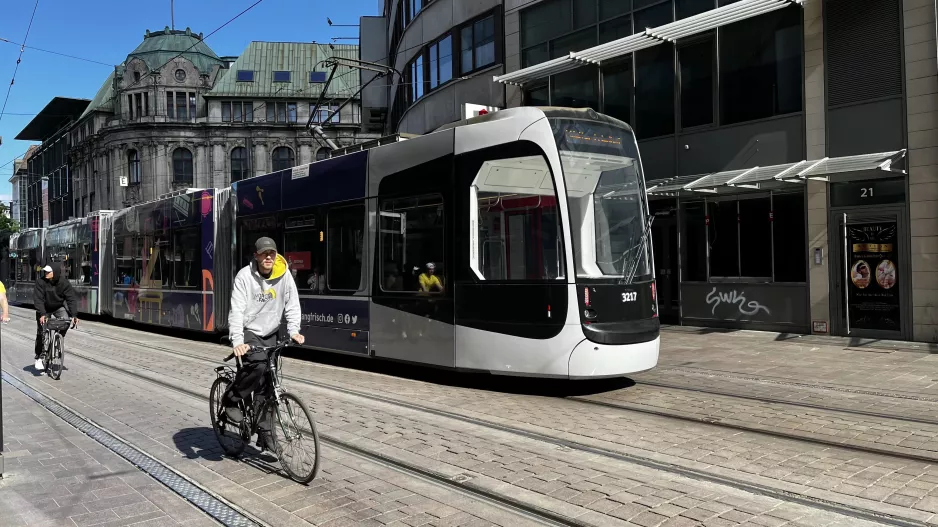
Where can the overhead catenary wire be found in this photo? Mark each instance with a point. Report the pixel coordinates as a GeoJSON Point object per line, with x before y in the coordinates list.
{"type": "Point", "coordinates": [56, 53]}
{"type": "Point", "coordinates": [19, 59]}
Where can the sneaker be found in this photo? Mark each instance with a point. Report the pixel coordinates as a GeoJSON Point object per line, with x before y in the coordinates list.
{"type": "Point", "coordinates": [39, 365]}
{"type": "Point", "coordinates": [234, 415]}
{"type": "Point", "coordinates": [267, 445]}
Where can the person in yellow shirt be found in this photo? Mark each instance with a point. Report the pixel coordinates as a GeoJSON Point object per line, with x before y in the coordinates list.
{"type": "Point", "coordinates": [3, 303]}
{"type": "Point", "coordinates": [430, 282]}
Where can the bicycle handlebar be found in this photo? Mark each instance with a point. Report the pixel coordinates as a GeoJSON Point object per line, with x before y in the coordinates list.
{"type": "Point", "coordinates": [279, 345]}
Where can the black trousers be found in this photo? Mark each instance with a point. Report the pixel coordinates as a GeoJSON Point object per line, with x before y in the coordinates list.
{"type": "Point", "coordinates": [58, 313]}
{"type": "Point", "coordinates": [252, 377]}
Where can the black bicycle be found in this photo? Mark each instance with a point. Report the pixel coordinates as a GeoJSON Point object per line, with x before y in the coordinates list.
{"type": "Point", "coordinates": [53, 345]}
{"type": "Point", "coordinates": [292, 428]}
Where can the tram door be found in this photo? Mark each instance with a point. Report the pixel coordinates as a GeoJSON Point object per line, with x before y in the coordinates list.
{"type": "Point", "coordinates": [412, 315]}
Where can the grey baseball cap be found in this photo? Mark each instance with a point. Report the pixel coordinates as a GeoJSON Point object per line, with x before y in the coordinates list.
{"type": "Point", "coordinates": [265, 244]}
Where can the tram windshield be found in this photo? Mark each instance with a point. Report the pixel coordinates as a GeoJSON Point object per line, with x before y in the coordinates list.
{"type": "Point", "coordinates": [606, 198]}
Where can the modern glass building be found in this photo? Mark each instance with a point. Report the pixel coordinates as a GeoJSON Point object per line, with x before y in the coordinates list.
{"type": "Point", "coordinates": [790, 147]}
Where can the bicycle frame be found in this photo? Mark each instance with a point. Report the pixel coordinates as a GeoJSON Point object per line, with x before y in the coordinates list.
{"type": "Point", "coordinates": [252, 416]}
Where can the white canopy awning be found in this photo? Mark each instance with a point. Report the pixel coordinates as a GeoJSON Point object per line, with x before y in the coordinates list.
{"type": "Point", "coordinates": [758, 177]}
{"type": "Point", "coordinates": [671, 32]}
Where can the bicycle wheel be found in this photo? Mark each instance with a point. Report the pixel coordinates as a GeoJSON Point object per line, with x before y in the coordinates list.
{"type": "Point", "coordinates": [296, 439]}
{"type": "Point", "coordinates": [57, 356]}
{"type": "Point", "coordinates": [229, 435]}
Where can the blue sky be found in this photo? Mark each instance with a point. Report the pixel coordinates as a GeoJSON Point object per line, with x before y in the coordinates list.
{"type": "Point", "coordinates": [107, 30]}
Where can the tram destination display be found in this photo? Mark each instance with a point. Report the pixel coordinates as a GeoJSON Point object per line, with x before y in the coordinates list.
{"type": "Point", "coordinates": [872, 259]}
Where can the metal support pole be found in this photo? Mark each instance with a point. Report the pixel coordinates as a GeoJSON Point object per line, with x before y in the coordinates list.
{"type": "Point", "coordinates": [1, 406]}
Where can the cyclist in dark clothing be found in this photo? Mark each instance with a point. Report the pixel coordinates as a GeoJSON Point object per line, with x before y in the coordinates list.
{"type": "Point", "coordinates": [53, 296]}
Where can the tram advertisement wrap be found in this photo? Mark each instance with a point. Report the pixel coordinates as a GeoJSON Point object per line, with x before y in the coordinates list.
{"type": "Point", "coordinates": [872, 295]}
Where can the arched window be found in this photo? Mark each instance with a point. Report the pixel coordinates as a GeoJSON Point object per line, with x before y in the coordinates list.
{"type": "Point", "coordinates": [283, 158]}
{"type": "Point", "coordinates": [133, 167]}
{"type": "Point", "coordinates": [323, 153]}
{"type": "Point", "coordinates": [239, 164]}
{"type": "Point", "coordinates": [182, 166]}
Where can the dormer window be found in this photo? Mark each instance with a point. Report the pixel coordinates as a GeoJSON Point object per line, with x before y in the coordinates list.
{"type": "Point", "coordinates": [136, 76]}
{"type": "Point", "coordinates": [245, 76]}
{"type": "Point", "coordinates": [281, 76]}
{"type": "Point", "coordinates": [317, 77]}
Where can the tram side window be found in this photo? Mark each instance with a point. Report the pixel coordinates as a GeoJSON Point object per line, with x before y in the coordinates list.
{"type": "Point", "coordinates": [251, 230]}
{"type": "Point", "coordinates": [186, 257]}
{"type": "Point", "coordinates": [304, 253]}
{"type": "Point", "coordinates": [153, 261]}
{"type": "Point", "coordinates": [518, 231]}
{"type": "Point", "coordinates": [346, 243]}
{"type": "Point", "coordinates": [72, 265]}
{"type": "Point", "coordinates": [85, 260]}
{"type": "Point", "coordinates": [411, 232]}
{"type": "Point", "coordinates": [124, 261]}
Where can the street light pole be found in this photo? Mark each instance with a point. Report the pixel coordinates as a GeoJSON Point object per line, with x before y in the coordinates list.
{"type": "Point", "coordinates": [1, 405]}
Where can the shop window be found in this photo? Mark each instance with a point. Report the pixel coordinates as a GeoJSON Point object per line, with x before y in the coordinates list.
{"type": "Point", "coordinates": [695, 236]}
{"type": "Point", "coordinates": [654, 91]}
{"type": "Point", "coordinates": [345, 247]}
{"type": "Point", "coordinates": [539, 96]}
{"type": "Point", "coordinates": [546, 20]}
{"type": "Point", "coordinates": [188, 269]}
{"type": "Point", "coordinates": [411, 236]}
{"type": "Point", "coordinates": [760, 66]}
{"type": "Point", "coordinates": [723, 234]}
{"type": "Point", "coordinates": [617, 81]}
{"type": "Point", "coordinates": [579, 41]}
{"type": "Point", "coordinates": [687, 8]}
{"type": "Point", "coordinates": [755, 234]}
{"type": "Point", "coordinates": [615, 29]}
{"type": "Point", "coordinates": [696, 84]}
{"type": "Point", "coordinates": [789, 237]}
{"type": "Point", "coordinates": [577, 88]}
{"type": "Point", "coordinates": [535, 55]}
{"type": "Point", "coordinates": [303, 249]}
{"type": "Point", "coordinates": [611, 8]}
{"type": "Point", "coordinates": [655, 16]}
{"type": "Point", "coordinates": [518, 235]}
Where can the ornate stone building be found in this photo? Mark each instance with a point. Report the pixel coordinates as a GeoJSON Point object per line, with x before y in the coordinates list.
{"type": "Point", "coordinates": [175, 115]}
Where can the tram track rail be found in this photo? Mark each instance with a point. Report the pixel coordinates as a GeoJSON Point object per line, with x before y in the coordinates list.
{"type": "Point", "coordinates": [800, 404]}
{"type": "Point", "coordinates": [932, 459]}
{"type": "Point", "coordinates": [461, 485]}
{"type": "Point", "coordinates": [830, 505]}
{"type": "Point", "coordinates": [786, 381]}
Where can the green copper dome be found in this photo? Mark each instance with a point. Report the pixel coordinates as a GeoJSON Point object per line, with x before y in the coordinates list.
{"type": "Point", "coordinates": [159, 47]}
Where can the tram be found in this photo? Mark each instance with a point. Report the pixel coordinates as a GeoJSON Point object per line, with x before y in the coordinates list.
{"type": "Point", "coordinates": [77, 245]}
{"type": "Point", "coordinates": [26, 254]}
{"type": "Point", "coordinates": [514, 243]}
{"type": "Point", "coordinates": [163, 257]}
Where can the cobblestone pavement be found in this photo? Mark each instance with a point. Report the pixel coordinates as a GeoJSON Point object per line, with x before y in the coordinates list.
{"type": "Point", "coordinates": [593, 488]}
{"type": "Point", "coordinates": [56, 475]}
{"type": "Point", "coordinates": [825, 361]}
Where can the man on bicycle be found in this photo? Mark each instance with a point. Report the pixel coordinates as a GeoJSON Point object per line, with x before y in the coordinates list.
{"type": "Point", "coordinates": [53, 296]}
{"type": "Point", "coordinates": [262, 293]}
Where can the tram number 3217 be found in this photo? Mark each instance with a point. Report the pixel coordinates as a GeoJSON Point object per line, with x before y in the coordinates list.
{"type": "Point", "coordinates": [630, 296]}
